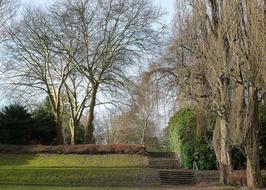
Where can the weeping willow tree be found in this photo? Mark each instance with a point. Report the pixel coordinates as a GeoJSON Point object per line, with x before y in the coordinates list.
{"type": "Point", "coordinates": [247, 41]}
{"type": "Point", "coordinates": [203, 69]}
{"type": "Point", "coordinates": [217, 59]}
{"type": "Point", "coordinates": [222, 50]}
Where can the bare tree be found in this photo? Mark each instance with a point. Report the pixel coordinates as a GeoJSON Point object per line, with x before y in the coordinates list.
{"type": "Point", "coordinates": [35, 64]}
{"type": "Point", "coordinates": [220, 55]}
{"type": "Point", "coordinates": [145, 104]}
{"type": "Point", "coordinates": [106, 130]}
{"type": "Point", "coordinates": [248, 52]}
{"type": "Point", "coordinates": [136, 121]}
{"type": "Point", "coordinates": [76, 86]}
{"type": "Point", "coordinates": [78, 92]}
{"type": "Point", "coordinates": [7, 11]}
{"type": "Point", "coordinates": [81, 45]}
{"type": "Point", "coordinates": [201, 71]}
{"type": "Point", "coordinates": [114, 36]}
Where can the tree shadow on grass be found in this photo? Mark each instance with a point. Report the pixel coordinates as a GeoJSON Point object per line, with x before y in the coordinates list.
{"type": "Point", "coordinates": [9, 160]}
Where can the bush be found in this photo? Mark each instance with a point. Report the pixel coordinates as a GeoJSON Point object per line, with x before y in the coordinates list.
{"type": "Point", "coordinates": [263, 135]}
{"type": "Point", "coordinates": [19, 127]}
{"type": "Point", "coordinates": [16, 125]}
{"type": "Point", "coordinates": [45, 131]}
{"type": "Point", "coordinates": [184, 140]}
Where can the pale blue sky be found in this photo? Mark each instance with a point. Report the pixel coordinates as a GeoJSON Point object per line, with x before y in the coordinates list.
{"type": "Point", "coordinates": [167, 5]}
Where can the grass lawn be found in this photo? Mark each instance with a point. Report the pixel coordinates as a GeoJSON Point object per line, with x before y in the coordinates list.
{"type": "Point", "coordinates": [74, 176]}
{"type": "Point", "coordinates": [61, 188]}
{"type": "Point", "coordinates": [71, 188]}
{"type": "Point", "coordinates": [75, 170]}
{"type": "Point", "coordinates": [106, 188]}
{"type": "Point", "coordinates": [57, 160]}
{"type": "Point", "coordinates": [79, 172]}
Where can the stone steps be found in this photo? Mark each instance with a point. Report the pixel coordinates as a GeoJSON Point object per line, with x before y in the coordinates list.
{"type": "Point", "coordinates": [167, 165]}
{"type": "Point", "coordinates": [176, 177]}
{"type": "Point", "coordinates": [209, 176]}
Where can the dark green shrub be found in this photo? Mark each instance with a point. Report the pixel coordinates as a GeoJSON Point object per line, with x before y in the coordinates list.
{"type": "Point", "coordinates": [184, 140]}
{"type": "Point", "coordinates": [263, 135]}
{"type": "Point", "coordinates": [45, 131]}
{"type": "Point", "coordinates": [16, 125]}
{"type": "Point", "coordinates": [19, 127]}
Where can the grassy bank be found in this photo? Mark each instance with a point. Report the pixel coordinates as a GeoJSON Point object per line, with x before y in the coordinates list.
{"type": "Point", "coordinates": [110, 188]}
{"type": "Point", "coordinates": [80, 172]}
{"type": "Point", "coordinates": [64, 188]}
{"type": "Point", "coordinates": [56, 160]}
{"type": "Point", "coordinates": [76, 176]}
{"type": "Point", "coordinates": [76, 170]}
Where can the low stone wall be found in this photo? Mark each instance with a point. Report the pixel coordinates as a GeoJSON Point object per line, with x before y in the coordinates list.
{"type": "Point", "coordinates": [238, 177]}
{"type": "Point", "coordinates": [74, 149]}
{"type": "Point", "coordinates": [208, 177]}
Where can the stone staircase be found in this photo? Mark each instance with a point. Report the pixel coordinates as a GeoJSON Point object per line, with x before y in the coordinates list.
{"type": "Point", "coordinates": [168, 167]}
{"type": "Point", "coordinates": [176, 177]}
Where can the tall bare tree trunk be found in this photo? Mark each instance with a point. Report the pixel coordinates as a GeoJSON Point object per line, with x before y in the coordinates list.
{"type": "Point", "coordinates": [251, 144]}
{"type": "Point", "coordinates": [88, 136]}
{"type": "Point", "coordinates": [225, 154]}
{"type": "Point", "coordinates": [222, 151]}
{"type": "Point", "coordinates": [56, 109]}
{"type": "Point", "coordinates": [253, 170]}
{"type": "Point", "coordinates": [59, 130]}
{"type": "Point", "coordinates": [73, 130]}
{"type": "Point", "coordinates": [142, 141]}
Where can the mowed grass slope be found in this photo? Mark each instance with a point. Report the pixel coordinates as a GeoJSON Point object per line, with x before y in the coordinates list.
{"type": "Point", "coordinates": [76, 170]}
{"type": "Point", "coordinates": [71, 160]}
{"type": "Point", "coordinates": [115, 188]}
{"type": "Point", "coordinates": [69, 188]}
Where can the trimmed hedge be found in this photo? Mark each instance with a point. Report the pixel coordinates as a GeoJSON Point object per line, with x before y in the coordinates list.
{"type": "Point", "coordinates": [73, 149]}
